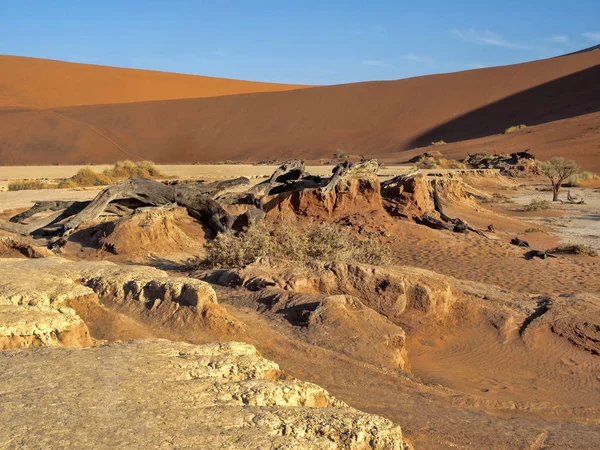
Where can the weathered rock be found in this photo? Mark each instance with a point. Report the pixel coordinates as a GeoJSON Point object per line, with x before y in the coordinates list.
{"type": "Point", "coordinates": [161, 394]}
{"type": "Point", "coordinates": [387, 291]}
{"type": "Point", "coordinates": [35, 326]}
{"type": "Point", "coordinates": [141, 290]}
{"type": "Point", "coordinates": [149, 231]}
{"type": "Point", "coordinates": [13, 246]}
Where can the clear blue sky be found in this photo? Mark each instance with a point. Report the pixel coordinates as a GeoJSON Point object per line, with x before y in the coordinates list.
{"type": "Point", "coordinates": [309, 41]}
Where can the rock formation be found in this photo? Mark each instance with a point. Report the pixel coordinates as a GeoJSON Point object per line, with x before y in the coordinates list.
{"type": "Point", "coordinates": [162, 394]}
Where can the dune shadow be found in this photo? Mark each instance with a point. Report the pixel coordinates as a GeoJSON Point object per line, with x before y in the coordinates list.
{"type": "Point", "coordinates": [570, 96]}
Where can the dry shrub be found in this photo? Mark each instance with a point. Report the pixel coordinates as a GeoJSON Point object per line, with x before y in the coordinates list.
{"type": "Point", "coordinates": [287, 240]}
{"type": "Point", "coordinates": [514, 128]}
{"type": "Point", "coordinates": [126, 169]}
{"type": "Point", "coordinates": [578, 178]}
{"type": "Point", "coordinates": [427, 163]}
{"type": "Point", "coordinates": [535, 230]}
{"type": "Point", "coordinates": [574, 249]}
{"type": "Point", "coordinates": [430, 162]}
{"type": "Point", "coordinates": [436, 143]}
{"type": "Point", "coordinates": [537, 204]}
{"type": "Point", "coordinates": [27, 185]}
{"type": "Point", "coordinates": [85, 177]}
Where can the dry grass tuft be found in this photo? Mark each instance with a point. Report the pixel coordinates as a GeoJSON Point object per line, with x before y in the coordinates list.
{"type": "Point", "coordinates": [287, 240]}
{"type": "Point", "coordinates": [514, 128]}
{"type": "Point", "coordinates": [430, 162]}
{"type": "Point", "coordinates": [579, 178]}
{"type": "Point", "coordinates": [29, 185]}
{"type": "Point", "coordinates": [574, 249]}
{"type": "Point", "coordinates": [537, 204]}
{"type": "Point", "coordinates": [86, 177]}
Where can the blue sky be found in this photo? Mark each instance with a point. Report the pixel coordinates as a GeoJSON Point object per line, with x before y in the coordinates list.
{"type": "Point", "coordinates": [310, 42]}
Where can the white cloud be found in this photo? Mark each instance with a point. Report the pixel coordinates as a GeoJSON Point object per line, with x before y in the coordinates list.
{"type": "Point", "coordinates": [486, 37]}
{"type": "Point", "coordinates": [559, 39]}
{"type": "Point", "coordinates": [418, 58]}
{"type": "Point", "coordinates": [377, 63]}
{"type": "Point", "coordinates": [592, 36]}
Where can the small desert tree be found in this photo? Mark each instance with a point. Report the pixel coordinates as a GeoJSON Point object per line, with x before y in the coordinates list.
{"type": "Point", "coordinates": [558, 170]}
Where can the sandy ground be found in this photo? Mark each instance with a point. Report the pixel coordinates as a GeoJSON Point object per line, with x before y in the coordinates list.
{"type": "Point", "coordinates": [467, 388]}
{"type": "Point", "coordinates": [574, 224]}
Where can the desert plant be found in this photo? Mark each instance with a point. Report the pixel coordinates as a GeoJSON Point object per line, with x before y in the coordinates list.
{"type": "Point", "coordinates": [574, 249]}
{"type": "Point", "coordinates": [286, 239]}
{"type": "Point", "coordinates": [557, 170]}
{"type": "Point", "coordinates": [338, 154]}
{"type": "Point", "coordinates": [513, 128]}
{"type": "Point", "coordinates": [427, 163]}
{"type": "Point", "coordinates": [436, 143]}
{"type": "Point", "coordinates": [577, 178]}
{"type": "Point", "coordinates": [26, 185]}
{"type": "Point", "coordinates": [85, 177]}
{"type": "Point", "coordinates": [537, 204]}
{"type": "Point", "coordinates": [535, 230]}
{"type": "Point", "coordinates": [126, 169]}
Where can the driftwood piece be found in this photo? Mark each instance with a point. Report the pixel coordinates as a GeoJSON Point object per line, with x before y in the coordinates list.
{"type": "Point", "coordinates": [217, 187]}
{"type": "Point", "coordinates": [346, 169]}
{"type": "Point", "coordinates": [29, 228]}
{"type": "Point", "coordinates": [40, 207]}
{"type": "Point", "coordinates": [398, 180]}
{"type": "Point", "coordinates": [286, 173]}
{"type": "Point", "coordinates": [153, 193]}
{"type": "Point", "coordinates": [460, 226]}
{"type": "Point", "coordinates": [575, 200]}
{"type": "Point", "coordinates": [519, 242]}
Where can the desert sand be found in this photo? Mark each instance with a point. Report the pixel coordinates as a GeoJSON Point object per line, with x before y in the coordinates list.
{"type": "Point", "coordinates": [380, 119]}
{"type": "Point", "coordinates": [70, 84]}
{"type": "Point", "coordinates": [460, 340]}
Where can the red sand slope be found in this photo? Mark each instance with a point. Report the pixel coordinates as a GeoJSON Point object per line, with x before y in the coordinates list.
{"type": "Point", "coordinates": [381, 118]}
{"type": "Point", "coordinates": [43, 83]}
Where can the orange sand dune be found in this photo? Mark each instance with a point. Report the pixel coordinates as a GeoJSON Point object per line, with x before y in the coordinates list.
{"type": "Point", "coordinates": [382, 118]}
{"type": "Point", "coordinates": [43, 83]}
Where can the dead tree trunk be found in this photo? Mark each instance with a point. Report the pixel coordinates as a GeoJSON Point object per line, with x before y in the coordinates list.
{"type": "Point", "coordinates": [154, 193]}
{"type": "Point", "coordinates": [345, 169]}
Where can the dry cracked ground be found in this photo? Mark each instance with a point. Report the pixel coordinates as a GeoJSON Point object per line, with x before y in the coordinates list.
{"type": "Point", "coordinates": [113, 340]}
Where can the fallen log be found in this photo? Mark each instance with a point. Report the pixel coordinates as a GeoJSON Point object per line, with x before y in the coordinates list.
{"type": "Point", "coordinates": [153, 193]}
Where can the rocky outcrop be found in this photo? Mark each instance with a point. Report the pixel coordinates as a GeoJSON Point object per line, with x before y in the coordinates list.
{"type": "Point", "coordinates": [21, 247]}
{"type": "Point", "coordinates": [142, 291]}
{"type": "Point", "coordinates": [157, 231]}
{"type": "Point", "coordinates": [388, 291]}
{"type": "Point", "coordinates": [35, 326]}
{"type": "Point", "coordinates": [161, 394]}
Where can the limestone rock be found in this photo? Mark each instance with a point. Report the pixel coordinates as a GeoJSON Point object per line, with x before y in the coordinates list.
{"type": "Point", "coordinates": [143, 290]}
{"type": "Point", "coordinates": [162, 394]}
{"type": "Point", "coordinates": [34, 326]}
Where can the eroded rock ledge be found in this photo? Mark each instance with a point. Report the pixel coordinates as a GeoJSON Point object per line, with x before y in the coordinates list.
{"type": "Point", "coordinates": [162, 394]}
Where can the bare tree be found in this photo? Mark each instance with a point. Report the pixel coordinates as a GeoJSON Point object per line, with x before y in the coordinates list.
{"type": "Point", "coordinates": [557, 170]}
